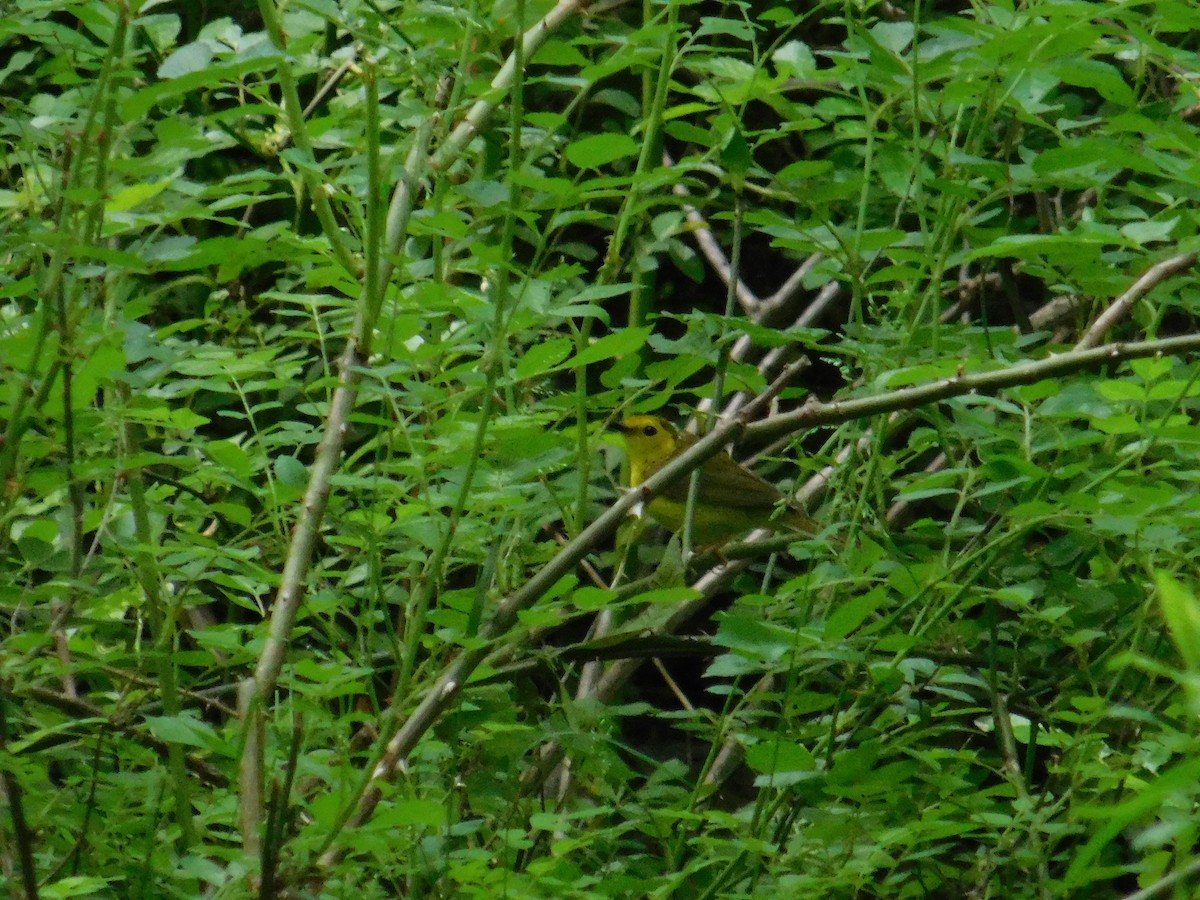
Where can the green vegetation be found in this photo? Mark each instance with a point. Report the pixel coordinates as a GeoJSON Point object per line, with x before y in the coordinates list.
{"type": "Point", "coordinates": [312, 319]}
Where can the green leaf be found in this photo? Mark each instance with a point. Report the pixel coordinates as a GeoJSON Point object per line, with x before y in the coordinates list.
{"type": "Point", "coordinates": [735, 155]}
{"type": "Point", "coordinates": [601, 149]}
{"type": "Point", "coordinates": [593, 598]}
{"type": "Point", "coordinates": [592, 292]}
{"type": "Point", "coordinates": [756, 637]}
{"type": "Point", "coordinates": [76, 886]}
{"type": "Point", "coordinates": [735, 28]}
{"type": "Point", "coordinates": [291, 472]}
{"type": "Point", "coordinates": [670, 595]}
{"type": "Point", "coordinates": [543, 357]}
{"type": "Point", "coordinates": [559, 53]}
{"type": "Point", "coordinates": [851, 614]}
{"type": "Point", "coordinates": [1181, 610]}
{"type": "Point", "coordinates": [1103, 77]}
{"type": "Point", "coordinates": [37, 540]}
{"type": "Point", "coordinates": [135, 107]}
{"type": "Point", "coordinates": [895, 36]}
{"type": "Point", "coordinates": [184, 418]}
{"type": "Point", "coordinates": [1121, 391]}
{"type": "Point", "coordinates": [229, 455]}
{"type": "Point", "coordinates": [1149, 232]}
{"type": "Point", "coordinates": [184, 729]}
{"type": "Point", "coordinates": [795, 60]}
{"type": "Point", "coordinates": [852, 767]}
{"type": "Point", "coordinates": [803, 170]}
{"type": "Point", "coordinates": [193, 57]}
{"type": "Point", "coordinates": [135, 195]}
{"type": "Point", "coordinates": [1150, 370]}
{"type": "Point", "coordinates": [780, 763]}
{"type": "Point", "coordinates": [411, 814]}
{"type": "Point", "coordinates": [1179, 780]}
{"type": "Point", "coordinates": [619, 343]}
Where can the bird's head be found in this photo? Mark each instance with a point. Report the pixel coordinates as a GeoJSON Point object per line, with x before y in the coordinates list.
{"type": "Point", "coordinates": [650, 440]}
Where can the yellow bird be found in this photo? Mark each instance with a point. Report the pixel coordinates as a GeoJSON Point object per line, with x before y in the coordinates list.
{"type": "Point", "coordinates": [731, 499]}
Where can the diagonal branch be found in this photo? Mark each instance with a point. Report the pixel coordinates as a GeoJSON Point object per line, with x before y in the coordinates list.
{"type": "Point", "coordinates": [1121, 306]}
{"type": "Point", "coordinates": [255, 693]}
{"type": "Point", "coordinates": [838, 411]}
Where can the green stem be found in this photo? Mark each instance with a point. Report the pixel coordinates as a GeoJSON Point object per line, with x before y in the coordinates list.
{"type": "Point", "coordinates": [294, 111]}
{"type": "Point", "coordinates": [162, 619]}
{"type": "Point", "coordinates": [651, 153]}
{"type": "Point", "coordinates": [376, 285]}
{"type": "Point", "coordinates": [432, 577]}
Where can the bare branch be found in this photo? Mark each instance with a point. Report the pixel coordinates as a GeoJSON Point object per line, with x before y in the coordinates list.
{"type": "Point", "coordinates": [1120, 307]}
{"type": "Point", "coordinates": [838, 411]}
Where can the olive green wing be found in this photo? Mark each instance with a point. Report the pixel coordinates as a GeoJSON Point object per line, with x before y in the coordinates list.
{"type": "Point", "coordinates": [734, 487]}
{"type": "Point", "coordinates": [724, 482]}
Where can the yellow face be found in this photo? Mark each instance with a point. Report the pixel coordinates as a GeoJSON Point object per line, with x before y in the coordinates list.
{"type": "Point", "coordinates": [651, 441]}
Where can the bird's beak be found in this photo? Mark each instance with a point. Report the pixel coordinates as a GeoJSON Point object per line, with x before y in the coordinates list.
{"type": "Point", "coordinates": [620, 426]}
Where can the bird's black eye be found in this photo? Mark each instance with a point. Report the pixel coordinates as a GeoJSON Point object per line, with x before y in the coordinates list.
{"type": "Point", "coordinates": [649, 431]}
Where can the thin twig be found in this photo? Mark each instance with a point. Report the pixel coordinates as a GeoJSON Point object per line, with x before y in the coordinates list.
{"type": "Point", "coordinates": [1120, 307]}
{"type": "Point", "coordinates": [250, 772]}
{"type": "Point", "coordinates": [472, 124]}
{"type": "Point", "coordinates": [1166, 882]}
{"type": "Point", "coordinates": [711, 249]}
{"type": "Point", "coordinates": [1012, 770]}
{"type": "Point", "coordinates": [294, 114]}
{"type": "Point", "coordinates": [10, 787]}
{"type": "Point", "coordinates": [767, 365]}
{"type": "Point", "coordinates": [84, 710]}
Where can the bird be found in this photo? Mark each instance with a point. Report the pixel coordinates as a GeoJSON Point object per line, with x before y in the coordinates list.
{"type": "Point", "coordinates": [731, 499]}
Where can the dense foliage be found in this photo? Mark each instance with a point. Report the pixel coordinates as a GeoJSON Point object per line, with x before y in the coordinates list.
{"type": "Point", "coordinates": [312, 317]}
